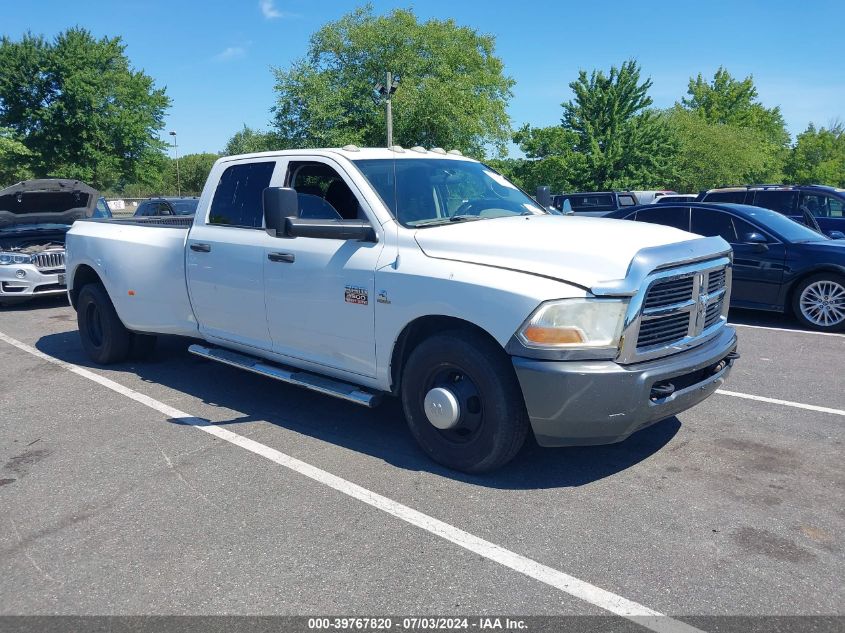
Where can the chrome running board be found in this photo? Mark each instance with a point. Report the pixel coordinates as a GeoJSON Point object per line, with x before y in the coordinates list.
{"type": "Point", "coordinates": [299, 378]}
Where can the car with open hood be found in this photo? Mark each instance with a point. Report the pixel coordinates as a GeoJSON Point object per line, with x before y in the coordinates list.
{"type": "Point", "coordinates": [35, 216]}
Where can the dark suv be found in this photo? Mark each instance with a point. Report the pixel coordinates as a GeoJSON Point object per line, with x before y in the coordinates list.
{"type": "Point", "coordinates": [817, 206]}
{"type": "Point", "coordinates": [167, 206]}
{"type": "Point", "coordinates": [595, 203]}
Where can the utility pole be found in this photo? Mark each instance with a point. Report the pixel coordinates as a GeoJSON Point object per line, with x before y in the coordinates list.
{"type": "Point", "coordinates": [386, 90]}
{"type": "Point", "coordinates": [176, 151]}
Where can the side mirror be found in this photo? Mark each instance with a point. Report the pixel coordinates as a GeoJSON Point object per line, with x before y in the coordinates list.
{"type": "Point", "coordinates": [757, 239]}
{"type": "Point", "coordinates": [359, 230]}
{"type": "Point", "coordinates": [280, 203]}
{"type": "Point", "coordinates": [836, 235]}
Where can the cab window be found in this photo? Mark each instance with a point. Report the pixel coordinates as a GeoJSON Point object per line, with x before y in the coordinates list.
{"type": "Point", "coordinates": [238, 198]}
{"type": "Point", "coordinates": [322, 192]}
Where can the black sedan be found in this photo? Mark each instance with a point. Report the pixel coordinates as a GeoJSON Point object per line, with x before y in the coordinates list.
{"type": "Point", "coordinates": [779, 264]}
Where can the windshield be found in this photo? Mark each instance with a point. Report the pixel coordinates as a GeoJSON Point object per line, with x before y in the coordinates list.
{"type": "Point", "coordinates": [789, 230]}
{"type": "Point", "coordinates": [184, 207]}
{"type": "Point", "coordinates": [431, 191]}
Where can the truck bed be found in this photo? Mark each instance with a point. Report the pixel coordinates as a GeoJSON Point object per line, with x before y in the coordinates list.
{"type": "Point", "coordinates": [141, 261]}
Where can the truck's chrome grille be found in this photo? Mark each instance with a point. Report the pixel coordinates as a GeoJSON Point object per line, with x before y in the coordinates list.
{"type": "Point", "coordinates": [716, 281]}
{"type": "Point", "coordinates": [669, 292]}
{"type": "Point", "coordinates": [663, 330]}
{"type": "Point", "coordinates": [50, 261]}
{"type": "Point", "coordinates": [681, 307]}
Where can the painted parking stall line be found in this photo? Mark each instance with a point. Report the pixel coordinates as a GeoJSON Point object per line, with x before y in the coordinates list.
{"type": "Point", "coordinates": [575, 587]}
{"type": "Point", "coordinates": [785, 403]}
{"type": "Point", "coordinates": [785, 329]}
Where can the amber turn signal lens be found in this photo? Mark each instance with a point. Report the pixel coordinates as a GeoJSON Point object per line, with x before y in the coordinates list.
{"type": "Point", "coordinates": [552, 335]}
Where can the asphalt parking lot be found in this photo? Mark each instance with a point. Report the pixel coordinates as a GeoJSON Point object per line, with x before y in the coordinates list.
{"type": "Point", "coordinates": [121, 499]}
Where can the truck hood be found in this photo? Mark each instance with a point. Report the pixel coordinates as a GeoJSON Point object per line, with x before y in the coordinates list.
{"type": "Point", "coordinates": [46, 201]}
{"type": "Point", "coordinates": [582, 251]}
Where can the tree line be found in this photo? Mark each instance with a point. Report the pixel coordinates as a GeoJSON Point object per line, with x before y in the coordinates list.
{"type": "Point", "coordinates": [75, 107]}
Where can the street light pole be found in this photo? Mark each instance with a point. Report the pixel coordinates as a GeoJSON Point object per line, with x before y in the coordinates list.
{"type": "Point", "coordinates": [176, 151]}
{"type": "Point", "coordinates": [386, 91]}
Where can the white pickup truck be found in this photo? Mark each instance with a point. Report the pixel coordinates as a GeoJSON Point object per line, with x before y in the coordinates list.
{"type": "Point", "coordinates": [426, 275]}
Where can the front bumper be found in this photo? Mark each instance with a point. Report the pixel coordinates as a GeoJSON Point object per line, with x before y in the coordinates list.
{"type": "Point", "coordinates": [574, 403]}
{"type": "Point", "coordinates": [34, 283]}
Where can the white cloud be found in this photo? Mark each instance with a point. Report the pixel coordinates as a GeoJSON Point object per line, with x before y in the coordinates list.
{"type": "Point", "coordinates": [230, 53]}
{"type": "Point", "coordinates": [269, 10]}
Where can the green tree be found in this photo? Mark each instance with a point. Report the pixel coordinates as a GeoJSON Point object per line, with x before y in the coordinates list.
{"type": "Point", "coordinates": [193, 172]}
{"type": "Point", "coordinates": [717, 154]}
{"type": "Point", "coordinates": [625, 144]}
{"type": "Point", "coordinates": [80, 108]}
{"type": "Point", "coordinates": [551, 159]}
{"type": "Point", "coordinates": [733, 102]}
{"type": "Point", "coordinates": [248, 140]}
{"type": "Point", "coordinates": [453, 92]}
{"type": "Point", "coordinates": [818, 157]}
{"type": "Point", "coordinates": [14, 159]}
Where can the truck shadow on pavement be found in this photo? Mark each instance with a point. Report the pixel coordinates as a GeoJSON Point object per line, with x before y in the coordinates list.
{"type": "Point", "coordinates": [380, 432]}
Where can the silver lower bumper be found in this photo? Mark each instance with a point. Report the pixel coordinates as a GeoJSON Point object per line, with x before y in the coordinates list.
{"type": "Point", "coordinates": [33, 283]}
{"type": "Point", "coordinates": [600, 402]}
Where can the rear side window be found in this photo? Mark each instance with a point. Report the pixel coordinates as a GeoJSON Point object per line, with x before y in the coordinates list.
{"type": "Point", "coordinates": [821, 206]}
{"type": "Point", "coordinates": [592, 202]}
{"type": "Point", "coordinates": [715, 223]}
{"type": "Point", "coordinates": [737, 197]}
{"type": "Point", "coordinates": [677, 217]}
{"type": "Point", "coordinates": [626, 201]}
{"type": "Point", "coordinates": [780, 201]}
{"type": "Point", "coordinates": [238, 198]}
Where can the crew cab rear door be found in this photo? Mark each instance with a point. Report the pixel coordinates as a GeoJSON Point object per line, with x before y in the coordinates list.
{"type": "Point", "coordinates": [320, 293]}
{"type": "Point", "coordinates": [225, 256]}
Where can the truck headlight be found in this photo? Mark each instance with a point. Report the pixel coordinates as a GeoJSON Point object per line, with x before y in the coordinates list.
{"type": "Point", "coordinates": [575, 323]}
{"type": "Point", "coordinates": [6, 259]}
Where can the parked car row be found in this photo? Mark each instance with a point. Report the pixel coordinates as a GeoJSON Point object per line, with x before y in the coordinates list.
{"type": "Point", "coordinates": [817, 206]}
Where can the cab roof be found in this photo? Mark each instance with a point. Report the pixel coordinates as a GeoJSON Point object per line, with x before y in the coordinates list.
{"type": "Point", "coordinates": [352, 152]}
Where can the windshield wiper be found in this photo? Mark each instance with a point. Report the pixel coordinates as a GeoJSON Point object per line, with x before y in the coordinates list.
{"type": "Point", "coordinates": [454, 218]}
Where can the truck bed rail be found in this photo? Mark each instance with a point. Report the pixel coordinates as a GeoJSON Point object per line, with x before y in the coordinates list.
{"type": "Point", "coordinates": [177, 221]}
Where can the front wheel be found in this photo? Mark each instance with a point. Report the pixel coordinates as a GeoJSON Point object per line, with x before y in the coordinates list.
{"type": "Point", "coordinates": [104, 337]}
{"type": "Point", "coordinates": [819, 302]}
{"type": "Point", "coordinates": [463, 403]}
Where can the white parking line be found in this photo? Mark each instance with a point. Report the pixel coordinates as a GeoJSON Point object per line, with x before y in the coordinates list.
{"type": "Point", "coordinates": [786, 329]}
{"type": "Point", "coordinates": [786, 403]}
{"type": "Point", "coordinates": [580, 589]}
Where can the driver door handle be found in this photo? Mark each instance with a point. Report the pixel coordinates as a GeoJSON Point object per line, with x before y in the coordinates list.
{"type": "Point", "coordinates": [281, 257]}
{"type": "Point", "coordinates": [201, 248]}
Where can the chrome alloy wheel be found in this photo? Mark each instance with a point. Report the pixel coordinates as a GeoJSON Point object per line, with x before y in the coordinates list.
{"type": "Point", "coordinates": [822, 303]}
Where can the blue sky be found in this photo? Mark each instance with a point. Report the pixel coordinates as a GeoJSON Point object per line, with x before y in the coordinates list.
{"type": "Point", "coordinates": [214, 56]}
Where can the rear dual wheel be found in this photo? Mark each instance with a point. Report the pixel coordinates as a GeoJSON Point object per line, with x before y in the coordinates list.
{"type": "Point", "coordinates": [104, 337]}
{"type": "Point", "coordinates": [463, 403]}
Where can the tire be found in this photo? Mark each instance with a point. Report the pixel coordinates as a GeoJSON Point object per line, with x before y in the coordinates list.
{"type": "Point", "coordinates": [104, 337]}
{"type": "Point", "coordinates": [819, 302]}
{"type": "Point", "coordinates": [493, 422]}
{"type": "Point", "coordinates": [143, 346]}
